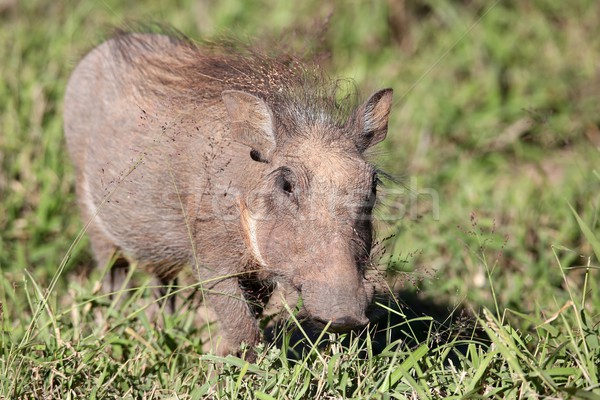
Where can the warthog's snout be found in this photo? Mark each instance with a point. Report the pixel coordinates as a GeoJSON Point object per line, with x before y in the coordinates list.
{"type": "Point", "coordinates": [341, 305]}
{"type": "Point", "coordinates": [344, 323]}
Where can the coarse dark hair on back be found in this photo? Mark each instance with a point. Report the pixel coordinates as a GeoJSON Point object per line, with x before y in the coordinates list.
{"type": "Point", "coordinates": [296, 88]}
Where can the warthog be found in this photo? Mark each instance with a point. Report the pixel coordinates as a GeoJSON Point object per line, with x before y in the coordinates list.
{"type": "Point", "coordinates": [244, 166]}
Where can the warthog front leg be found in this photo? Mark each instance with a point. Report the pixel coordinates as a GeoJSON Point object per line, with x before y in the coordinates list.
{"type": "Point", "coordinates": [237, 324]}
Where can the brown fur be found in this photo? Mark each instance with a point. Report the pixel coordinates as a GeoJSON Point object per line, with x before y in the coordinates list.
{"type": "Point", "coordinates": [231, 162]}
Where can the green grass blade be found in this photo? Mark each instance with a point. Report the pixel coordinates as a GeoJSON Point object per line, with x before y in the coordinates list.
{"type": "Point", "coordinates": [587, 232]}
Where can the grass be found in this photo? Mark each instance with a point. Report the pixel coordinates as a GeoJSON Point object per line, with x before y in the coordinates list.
{"type": "Point", "coordinates": [495, 138]}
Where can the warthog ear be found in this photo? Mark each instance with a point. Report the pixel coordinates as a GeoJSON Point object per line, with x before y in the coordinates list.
{"type": "Point", "coordinates": [370, 121]}
{"type": "Point", "coordinates": [252, 123]}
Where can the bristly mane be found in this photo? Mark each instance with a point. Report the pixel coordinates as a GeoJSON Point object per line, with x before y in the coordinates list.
{"type": "Point", "coordinates": [298, 92]}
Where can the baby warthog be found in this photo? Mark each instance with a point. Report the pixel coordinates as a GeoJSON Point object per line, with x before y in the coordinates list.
{"type": "Point", "coordinates": [245, 166]}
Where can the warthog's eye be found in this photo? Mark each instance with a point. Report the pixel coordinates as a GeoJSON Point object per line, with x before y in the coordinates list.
{"type": "Point", "coordinates": [285, 181]}
{"type": "Point", "coordinates": [287, 186]}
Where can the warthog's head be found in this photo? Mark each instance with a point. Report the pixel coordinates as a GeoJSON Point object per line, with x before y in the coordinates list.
{"type": "Point", "coordinates": [308, 221]}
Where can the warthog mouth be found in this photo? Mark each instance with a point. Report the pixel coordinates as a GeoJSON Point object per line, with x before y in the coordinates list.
{"type": "Point", "coordinates": [342, 324]}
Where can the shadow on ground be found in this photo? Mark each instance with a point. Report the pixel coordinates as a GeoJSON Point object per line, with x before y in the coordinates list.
{"type": "Point", "coordinates": [405, 321]}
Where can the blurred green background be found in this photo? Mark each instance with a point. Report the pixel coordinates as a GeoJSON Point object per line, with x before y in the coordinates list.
{"type": "Point", "coordinates": [495, 130]}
